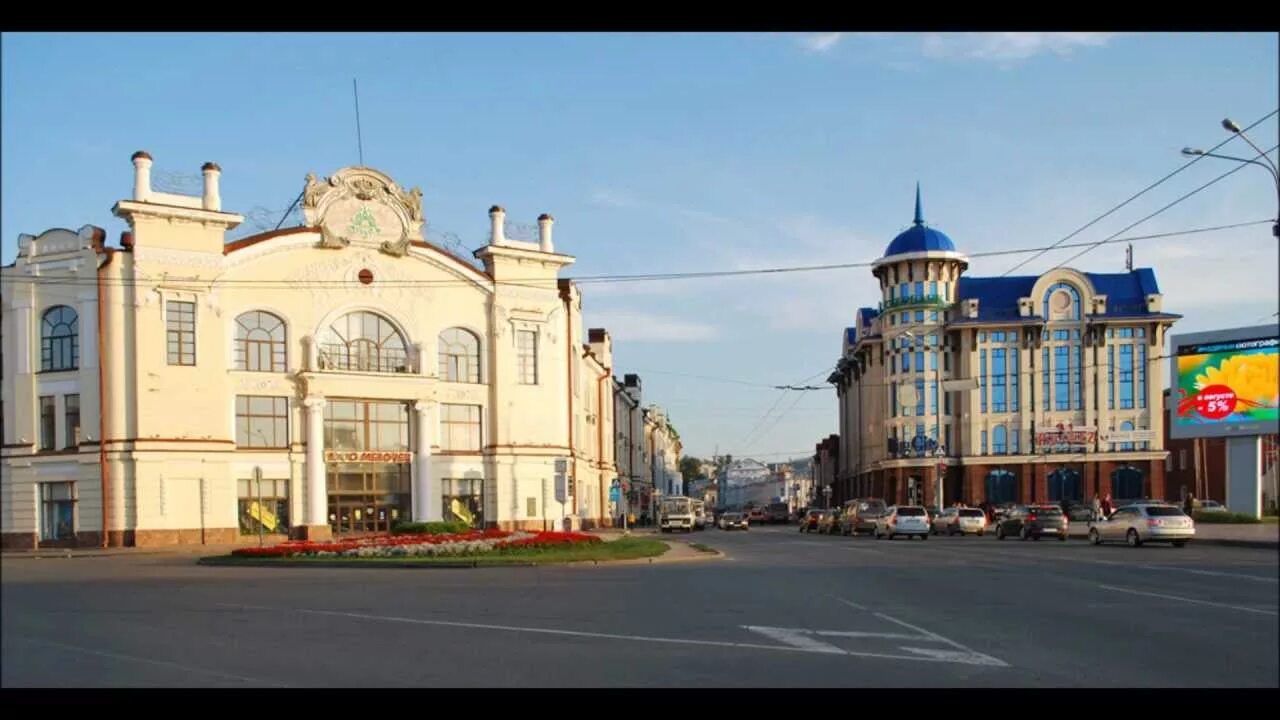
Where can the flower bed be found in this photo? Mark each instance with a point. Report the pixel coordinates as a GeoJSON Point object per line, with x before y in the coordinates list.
{"type": "Point", "coordinates": [476, 542]}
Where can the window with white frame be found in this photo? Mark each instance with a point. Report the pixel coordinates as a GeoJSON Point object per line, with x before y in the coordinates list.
{"type": "Point", "coordinates": [262, 421]}
{"type": "Point", "coordinates": [60, 339]}
{"type": "Point", "coordinates": [459, 427]}
{"type": "Point", "coordinates": [261, 342]}
{"type": "Point", "coordinates": [48, 422]}
{"type": "Point", "coordinates": [527, 357]}
{"type": "Point", "coordinates": [459, 356]}
{"type": "Point", "coordinates": [180, 332]}
{"type": "Point", "coordinates": [71, 414]}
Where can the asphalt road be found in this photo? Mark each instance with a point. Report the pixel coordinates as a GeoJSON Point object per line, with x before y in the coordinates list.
{"type": "Point", "coordinates": [782, 609]}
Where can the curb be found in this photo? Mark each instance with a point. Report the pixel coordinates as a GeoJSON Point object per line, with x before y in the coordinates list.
{"type": "Point", "coordinates": [81, 556]}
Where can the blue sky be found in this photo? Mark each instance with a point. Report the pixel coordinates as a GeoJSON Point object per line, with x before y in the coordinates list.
{"type": "Point", "coordinates": [679, 152]}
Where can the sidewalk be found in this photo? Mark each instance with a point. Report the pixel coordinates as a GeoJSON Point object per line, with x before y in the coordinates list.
{"type": "Point", "coordinates": [1266, 535]}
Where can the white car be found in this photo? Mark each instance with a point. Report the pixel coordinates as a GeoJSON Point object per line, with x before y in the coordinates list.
{"type": "Point", "coordinates": [960, 520]}
{"type": "Point", "coordinates": [909, 520]}
{"type": "Point", "coordinates": [699, 519]}
{"type": "Point", "coordinates": [1210, 506]}
{"type": "Point", "coordinates": [1144, 522]}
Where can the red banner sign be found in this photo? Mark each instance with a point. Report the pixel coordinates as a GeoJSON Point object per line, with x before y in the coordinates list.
{"type": "Point", "coordinates": [1066, 436]}
{"type": "Point", "coordinates": [1215, 402]}
{"type": "Point", "coordinates": [366, 456]}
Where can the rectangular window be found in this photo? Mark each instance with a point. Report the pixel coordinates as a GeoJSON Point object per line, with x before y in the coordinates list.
{"type": "Point", "coordinates": [997, 380]}
{"type": "Point", "coordinates": [933, 360]}
{"type": "Point", "coordinates": [946, 403]}
{"type": "Point", "coordinates": [1044, 374]}
{"type": "Point", "coordinates": [262, 421]}
{"type": "Point", "coordinates": [463, 500]}
{"type": "Point", "coordinates": [920, 398]}
{"type": "Point", "coordinates": [933, 288]}
{"type": "Point", "coordinates": [1168, 463]}
{"type": "Point", "coordinates": [893, 293]}
{"type": "Point", "coordinates": [1126, 377]}
{"type": "Point", "coordinates": [982, 379]}
{"type": "Point", "coordinates": [998, 446]}
{"type": "Point", "coordinates": [919, 288]}
{"type": "Point", "coordinates": [919, 316]}
{"type": "Point", "coordinates": [947, 438]}
{"type": "Point", "coordinates": [48, 422]}
{"type": "Point", "coordinates": [893, 319]}
{"type": "Point", "coordinates": [180, 331]}
{"type": "Point", "coordinates": [905, 317]}
{"type": "Point", "coordinates": [983, 449]}
{"type": "Point", "coordinates": [459, 427]}
{"type": "Point", "coordinates": [982, 336]}
{"type": "Point", "coordinates": [1077, 360]}
{"type": "Point", "coordinates": [1111, 376]}
{"type": "Point", "coordinates": [1061, 335]}
{"type": "Point", "coordinates": [893, 364]}
{"type": "Point", "coordinates": [933, 340]}
{"type": "Point", "coordinates": [1142, 332]}
{"type": "Point", "coordinates": [944, 290]}
{"type": "Point", "coordinates": [527, 357]}
{"type": "Point", "coordinates": [1014, 372]}
{"type": "Point", "coordinates": [893, 400]}
{"type": "Point", "coordinates": [919, 361]}
{"type": "Point", "coordinates": [1061, 372]}
{"type": "Point", "coordinates": [1013, 336]}
{"type": "Point", "coordinates": [264, 504]}
{"type": "Point", "coordinates": [71, 413]}
{"type": "Point", "coordinates": [57, 511]}
{"type": "Point", "coordinates": [1126, 332]}
{"type": "Point", "coordinates": [1013, 442]}
{"type": "Point", "coordinates": [1142, 375]}
{"type": "Point", "coordinates": [933, 393]}
{"type": "Point", "coordinates": [1111, 332]}
{"type": "Point", "coordinates": [946, 361]}
{"type": "Point", "coordinates": [997, 336]}
{"type": "Point", "coordinates": [903, 292]}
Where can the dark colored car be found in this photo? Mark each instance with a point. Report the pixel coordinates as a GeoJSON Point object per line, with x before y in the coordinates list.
{"type": "Point", "coordinates": [734, 521]}
{"type": "Point", "coordinates": [1033, 521]}
{"type": "Point", "coordinates": [860, 516]}
{"type": "Point", "coordinates": [1079, 512]}
{"type": "Point", "coordinates": [809, 523]}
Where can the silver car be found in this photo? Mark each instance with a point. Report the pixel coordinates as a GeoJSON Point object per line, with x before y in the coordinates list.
{"type": "Point", "coordinates": [909, 520]}
{"type": "Point", "coordinates": [1144, 522]}
{"type": "Point", "coordinates": [960, 520]}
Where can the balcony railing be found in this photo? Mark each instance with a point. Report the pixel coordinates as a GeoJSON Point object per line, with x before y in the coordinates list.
{"type": "Point", "coordinates": [342, 358]}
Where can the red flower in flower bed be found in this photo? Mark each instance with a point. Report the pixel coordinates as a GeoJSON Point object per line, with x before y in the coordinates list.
{"type": "Point", "coordinates": [302, 547]}
{"type": "Point", "coordinates": [548, 539]}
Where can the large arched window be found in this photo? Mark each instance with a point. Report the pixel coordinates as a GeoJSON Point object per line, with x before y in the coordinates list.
{"type": "Point", "coordinates": [260, 342]}
{"type": "Point", "coordinates": [459, 356]}
{"type": "Point", "coordinates": [363, 341]}
{"type": "Point", "coordinates": [1062, 302]}
{"type": "Point", "coordinates": [60, 339]}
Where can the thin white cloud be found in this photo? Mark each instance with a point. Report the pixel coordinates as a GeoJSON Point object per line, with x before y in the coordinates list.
{"type": "Point", "coordinates": [821, 42]}
{"type": "Point", "coordinates": [613, 198]}
{"type": "Point", "coordinates": [1006, 47]}
{"type": "Point", "coordinates": [637, 326]}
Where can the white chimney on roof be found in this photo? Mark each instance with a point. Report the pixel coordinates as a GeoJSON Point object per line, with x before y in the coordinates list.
{"type": "Point", "coordinates": [544, 232]}
{"type": "Point", "coordinates": [141, 176]}
{"type": "Point", "coordinates": [212, 199]}
{"type": "Point", "coordinates": [497, 221]}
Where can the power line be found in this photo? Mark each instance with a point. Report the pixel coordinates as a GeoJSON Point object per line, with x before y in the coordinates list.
{"type": "Point", "coordinates": [1135, 196]}
{"type": "Point", "coordinates": [306, 284]}
{"type": "Point", "coordinates": [1234, 170]}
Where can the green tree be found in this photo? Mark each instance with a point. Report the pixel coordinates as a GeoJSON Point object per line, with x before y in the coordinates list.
{"type": "Point", "coordinates": [691, 468]}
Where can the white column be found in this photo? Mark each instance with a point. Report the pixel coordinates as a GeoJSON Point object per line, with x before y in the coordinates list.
{"type": "Point", "coordinates": [311, 353]}
{"type": "Point", "coordinates": [426, 496]}
{"type": "Point", "coordinates": [317, 496]}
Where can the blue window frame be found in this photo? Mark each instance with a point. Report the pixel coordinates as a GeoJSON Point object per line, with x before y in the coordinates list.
{"type": "Point", "coordinates": [902, 290]}
{"type": "Point", "coordinates": [1142, 375]}
{"type": "Point", "coordinates": [983, 449]}
{"type": "Point", "coordinates": [1111, 376]}
{"type": "Point", "coordinates": [920, 398]}
{"type": "Point", "coordinates": [933, 316]}
{"type": "Point", "coordinates": [997, 336]}
{"type": "Point", "coordinates": [1077, 360]}
{"type": "Point", "coordinates": [1061, 335]}
{"type": "Point", "coordinates": [933, 360]}
{"type": "Point", "coordinates": [1061, 371]}
{"type": "Point", "coordinates": [944, 290]}
{"type": "Point", "coordinates": [1126, 377]}
{"type": "Point", "coordinates": [999, 445]}
{"type": "Point", "coordinates": [1075, 299]}
{"type": "Point", "coordinates": [1013, 336]}
{"type": "Point", "coordinates": [1014, 371]}
{"type": "Point", "coordinates": [933, 403]}
{"type": "Point", "coordinates": [919, 316]}
{"type": "Point", "coordinates": [1126, 426]}
{"type": "Point", "coordinates": [1142, 332]}
{"type": "Point", "coordinates": [1013, 442]}
{"type": "Point", "coordinates": [932, 341]}
{"type": "Point", "coordinates": [982, 379]}
{"type": "Point", "coordinates": [919, 288]}
{"type": "Point", "coordinates": [933, 288]}
{"type": "Point", "coordinates": [982, 336]}
{"type": "Point", "coordinates": [1126, 332]}
{"type": "Point", "coordinates": [1045, 371]}
{"type": "Point", "coordinates": [997, 380]}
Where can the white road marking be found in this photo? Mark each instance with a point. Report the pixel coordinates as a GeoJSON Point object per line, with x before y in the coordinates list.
{"type": "Point", "coordinates": [980, 658]}
{"type": "Point", "coordinates": [597, 635]}
{"type": "Point", "coordinates": [796, 638]}
{"type": "Point", "coordinates": [148, 661]}
{"type": "Point", "coordinates": [1242, 576]}
{"type": "Point", "coordinates": [851, 603]}
{"type": "Point", "coordinates": [1188, 600]}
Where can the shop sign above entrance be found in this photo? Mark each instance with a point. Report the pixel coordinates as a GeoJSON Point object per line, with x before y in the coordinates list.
{"type": "Point", "coordinates": [366, 456]}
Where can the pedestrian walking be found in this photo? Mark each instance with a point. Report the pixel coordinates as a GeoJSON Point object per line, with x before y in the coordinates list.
{"type": "Point", "coordinates": [1189, 504]}
{"type": "Point", "coordinates": [1097, 506]}
{"type": "Point", "coordinates": [1107, 506]}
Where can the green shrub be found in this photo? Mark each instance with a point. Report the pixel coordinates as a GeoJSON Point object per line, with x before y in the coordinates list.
{"type": "Point", "coordinates": [1229, 518]}
{"type": "Point", "coordinates": [429, 528]}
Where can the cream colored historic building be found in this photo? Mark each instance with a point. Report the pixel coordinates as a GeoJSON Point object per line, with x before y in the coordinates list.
{"type": "Point", "coordinates": [1028, 388]}
{"type": "Point", "coordinates": [333, 377]}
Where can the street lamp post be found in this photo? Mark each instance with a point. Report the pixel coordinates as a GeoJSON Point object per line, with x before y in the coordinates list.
{"type": "Point", "coordinates": [1230, 126]}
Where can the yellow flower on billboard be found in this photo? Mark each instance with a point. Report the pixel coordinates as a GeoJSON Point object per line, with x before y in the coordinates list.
{"type": "Point", "coordinates": [1255, 376]}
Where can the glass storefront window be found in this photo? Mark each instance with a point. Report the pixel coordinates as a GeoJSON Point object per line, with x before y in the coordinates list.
{"type": "Point", "coordinates": [57, 511]}
{"type": "Point", "coordinates": [264, 504]}
{"type": "Point", "coordinates": [463, 500]}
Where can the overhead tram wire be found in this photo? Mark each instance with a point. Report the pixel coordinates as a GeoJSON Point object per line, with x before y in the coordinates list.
{"type": "Point", "coordinates": [310, 284]}
{"type": "Point", "coordinates": [1135, 196]}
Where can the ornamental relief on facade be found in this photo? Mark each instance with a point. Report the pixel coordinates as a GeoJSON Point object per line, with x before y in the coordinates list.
{"type": "Point", "coordinates": [361, 206]}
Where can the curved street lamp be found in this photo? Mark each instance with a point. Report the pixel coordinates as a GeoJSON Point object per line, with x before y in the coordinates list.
{"type": "Point", "coordinates": [1231, 126]}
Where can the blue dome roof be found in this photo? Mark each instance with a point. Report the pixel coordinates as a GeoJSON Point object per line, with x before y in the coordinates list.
{"type": "Point", "coordinates": [919, 237]}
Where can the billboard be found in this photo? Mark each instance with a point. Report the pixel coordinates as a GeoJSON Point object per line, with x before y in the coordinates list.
{"type": "Point", "coordinates": [1225, 383]}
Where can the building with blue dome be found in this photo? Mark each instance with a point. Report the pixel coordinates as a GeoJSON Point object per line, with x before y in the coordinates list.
{"type": "Point", "coordinates": [1034, 388]}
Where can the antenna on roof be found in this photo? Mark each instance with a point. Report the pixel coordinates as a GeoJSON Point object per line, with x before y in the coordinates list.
{"type": "Point", "coordinates": [355, 90]}
{"type": "Point", "coordinates": [1128, 258]}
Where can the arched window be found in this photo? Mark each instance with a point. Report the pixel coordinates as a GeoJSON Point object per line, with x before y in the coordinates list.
{"type": "Point", "coordinates": [260, 342]}
{"type": "Point", "coordinates": [365, 342]}
{"type": "Point", "coordinates": [1001, 486]}
{"type": "Point", "coordinates": [1062, 302]}
{"type": "Point", "coordinates": [1125, 426]}
{"type": "Point", "coordinates": [999, 441]}
{"type": "Point", "coordinates": [60, 339]}
{"type": "Point", "coordinates": [459, 356]}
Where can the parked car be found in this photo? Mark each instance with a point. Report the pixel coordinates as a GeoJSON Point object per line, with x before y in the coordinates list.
{"type": "Point", "coordinates": [1033, 521]}
{"type": "Point", "coordinates": [1000, 511]}
{"type": "Point", "coordinates": [960, 521]}
{"type": "Point", "coordinates": [810, 521]}
{"type": "Point", "coordinates": [1144, 522]}
{"type": "Point", "coordinates": [860, 516]}
{"type": "Point", "coordinates": [755, 516]}
{"type": "Point", "coordinates": [909, 520]}
{"type": "Point", "coordinates": [734, 521]}
{"type": "Point", "coordinates": [1079, 512]}
{"type": "Point", "coordinates": [830, 521]}
{"type": "Point", "coordinates": [1210, 506]}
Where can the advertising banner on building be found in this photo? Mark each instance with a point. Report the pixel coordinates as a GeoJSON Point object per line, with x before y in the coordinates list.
{"type": "Point", "coordinates": [1065, 438]}
{"type": "Point", "coordinates": [1225, 386]}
